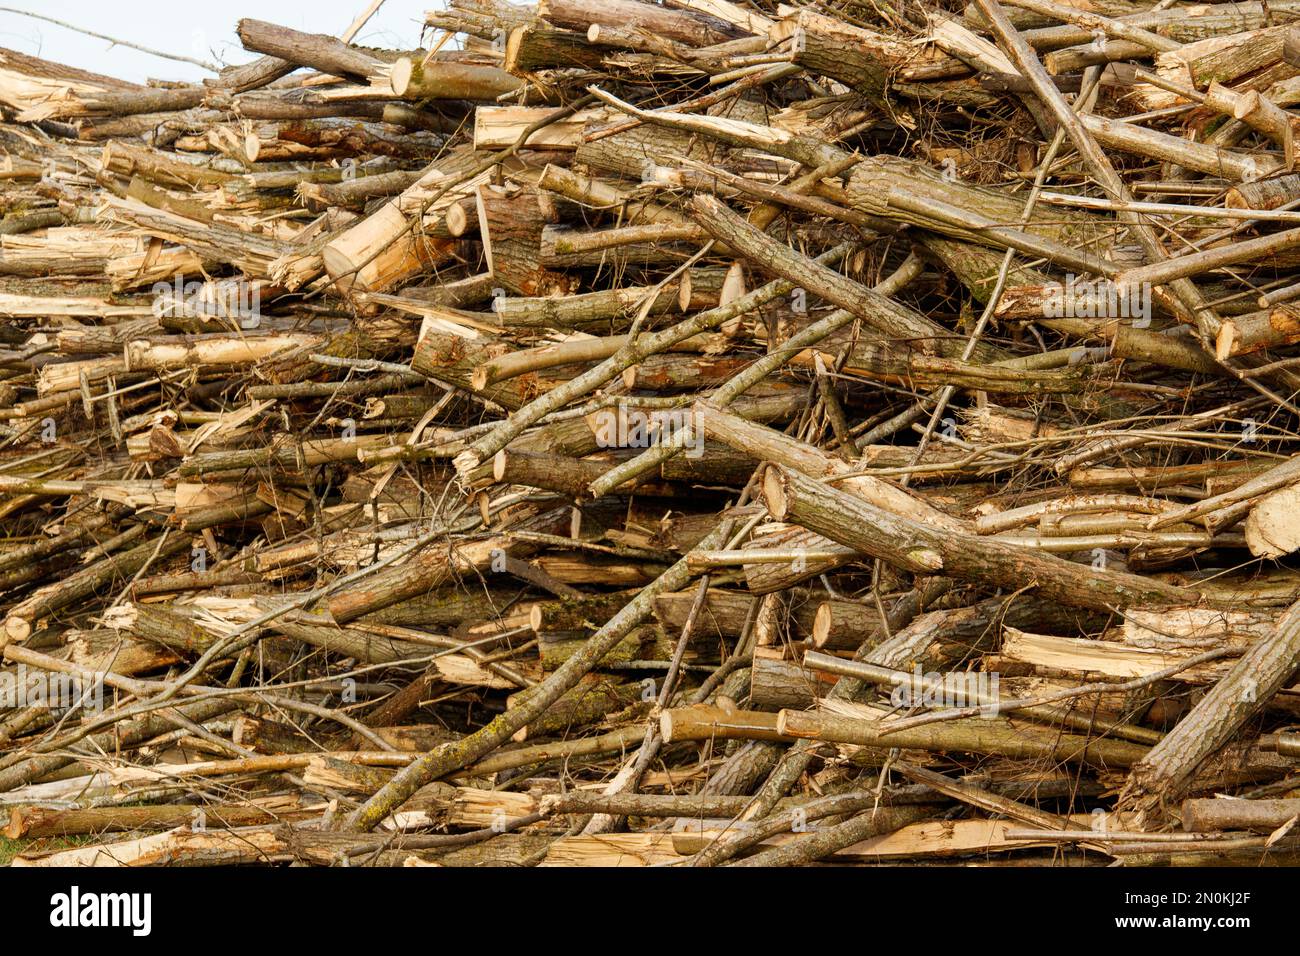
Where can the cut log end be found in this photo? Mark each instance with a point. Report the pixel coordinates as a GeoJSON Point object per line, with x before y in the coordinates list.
{"type": "Point", "coordinates": [666, 726]}
{"type": "Point", "coordinates": [17, 824]}
{"type": "Point", "coordinates": [457, 220]}
{"type": "Point", "coordinates": [514, 42]}
{"type": "Point", "coordinates": [1247, 104]}
{"type": "Point", "coordinates": [1224, 341]}
{"type": "Point", "coordinates": [774, 494]}
{"type": "Point", "coordinates": [821, 628]}
{"type": "Point", "coordinates": [733, 286]}
{"type": "Point", "coordinates": [399, 77]}
{"type": "Point", "coordinates": [684, 291]}
{"type": "Point", "coordinates": [1273, 525]}
{"type": "Point", "coordinates": [16, 630]}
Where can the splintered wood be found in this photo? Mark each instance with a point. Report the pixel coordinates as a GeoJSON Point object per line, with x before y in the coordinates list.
{"type": "Point", "coordinates": [694, 433]}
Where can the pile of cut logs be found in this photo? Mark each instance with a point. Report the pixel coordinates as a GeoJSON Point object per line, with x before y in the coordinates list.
{"type": "Point", "coordinates": [709, 432]}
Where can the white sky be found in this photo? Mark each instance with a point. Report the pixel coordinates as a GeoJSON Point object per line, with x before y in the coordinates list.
{"type": "Point", "coordinates": [202, 30]}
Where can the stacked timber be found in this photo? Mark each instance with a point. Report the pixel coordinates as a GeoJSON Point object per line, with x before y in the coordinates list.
{"type": "Point", "coordinates": [693, 433]}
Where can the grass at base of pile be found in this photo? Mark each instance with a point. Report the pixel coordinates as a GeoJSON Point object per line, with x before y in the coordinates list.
{"type": "Point", "coordinates": [11, 848]}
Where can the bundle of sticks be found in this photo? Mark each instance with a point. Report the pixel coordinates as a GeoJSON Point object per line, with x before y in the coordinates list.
{"type": "Point", "coordinates": [623, 433]}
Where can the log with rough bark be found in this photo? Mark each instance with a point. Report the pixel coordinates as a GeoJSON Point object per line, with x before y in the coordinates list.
{"type": "Point", "coordinates": [1161, 776]}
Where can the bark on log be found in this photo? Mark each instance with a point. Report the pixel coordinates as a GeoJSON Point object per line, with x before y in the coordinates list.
{"type": "Point", "coordinates": [1163, 774]}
